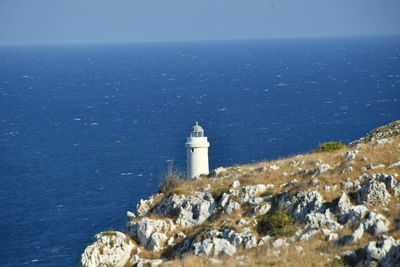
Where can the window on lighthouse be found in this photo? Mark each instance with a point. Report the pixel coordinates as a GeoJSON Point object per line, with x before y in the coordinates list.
{"type": "Point", "coordinates": [192, 150]}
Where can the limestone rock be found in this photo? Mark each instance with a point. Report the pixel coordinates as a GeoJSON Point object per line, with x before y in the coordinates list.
{"type": "Point", "coordinates": [390, 182]}
{"type": "Point", "coordinates": [250, 191]}
{"type": "Point", "coordinates": [376, 223]}
{"type": "Point", "coordinates": [189, 210]}
{"type": "Point", "coordinates": [301, 204]}
{"type": "Point", "coordinates": [156, 241]}
{"type": "Point", "coordinates": [279, 243]}
{"type": "Point", "coordinates": [316, 220]}
{"type": "Point", "coordinates": [385, 252]}
{"type": "Point", "coordinates": [373, 193]}
{"type": "Point", "coordinates": [143, 206]}
{"type": "Point", "coordinates": [262, 209]}
{"type": "Point", "coordinates": [349, 240]}
{"type": "Point", "coordinates": [150, 233]}
{"type": "Point", "coordinates": [109, 248]}
{"type": "Point", "coordinates": [213, 247]}
{"type": "Point", "coordinates": [351, 155]}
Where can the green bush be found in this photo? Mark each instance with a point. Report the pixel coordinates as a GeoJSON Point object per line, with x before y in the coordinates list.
{"type": "Point", "coordinates": [330, 146]}
{"type": "Point", "coordinates": [110, 233]}
{"type": "Point", "coordinates": [171, 181]}
{"type": "Point", "coordinates": [276, 223]}
{"type": "Point", "coordinates": [335, 263]}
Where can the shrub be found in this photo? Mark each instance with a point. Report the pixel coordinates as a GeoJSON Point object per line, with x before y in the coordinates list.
{"type": "Point", "coordinates": [278, 222]}
{"type": "Point", "coordinates": [330, 146]}
{"type": "Point", "coordinates": [171, 181]}
{"type": "Point", "coordinates": [110, 233]}
{"type": "Point", "coordinates": [217, 193]}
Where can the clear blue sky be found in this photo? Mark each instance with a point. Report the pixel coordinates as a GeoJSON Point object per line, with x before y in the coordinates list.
{"type": "Point", "coordinates": [99, 21]}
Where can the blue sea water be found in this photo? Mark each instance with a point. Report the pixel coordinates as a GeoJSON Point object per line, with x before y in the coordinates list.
{"type": "Point", "coordinates": [87, 130]}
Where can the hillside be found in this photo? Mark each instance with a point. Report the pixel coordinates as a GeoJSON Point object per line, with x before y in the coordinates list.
{"type": "Point", "coordinates": [333, 208]}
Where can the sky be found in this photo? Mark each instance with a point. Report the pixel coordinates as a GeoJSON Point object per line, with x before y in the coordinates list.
{"type": "Point", "coordinates": [26, 22]}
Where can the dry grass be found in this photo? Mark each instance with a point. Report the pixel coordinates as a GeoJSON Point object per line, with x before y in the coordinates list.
{"type": "Point", "coordinates": [317, 252]}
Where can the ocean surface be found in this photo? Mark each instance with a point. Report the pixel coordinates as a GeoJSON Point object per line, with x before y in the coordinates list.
{"type": "Point", "coordinates": [87, 130]}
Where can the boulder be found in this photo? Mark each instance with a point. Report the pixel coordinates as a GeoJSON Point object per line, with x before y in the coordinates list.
{"type": "Point", "coordinates": [349, 240]}
{"type": "Point", "coordinates": [213, 247]}
{"type": "Point", "coordinates": [385, 252]}
{"type": "Point", "coordinates": [250, 191]}
{"type": "Point", "coordinates": [373, 193]}
{"type": "Point", "coordinates": [188, 210]}
{"type": "Point", "coordinates": [351, 155]}
{"type": "Point", "coordinates": [156, 241]}
{"type": "Point", "coordinates": [301, 204]}
{"type": "Point", "coordinates": [150, 233]}
{"type": "Point", "coordinates": [110, 248]}
{"type": "Point", "coordinates": [390, 182]}
{"type": "Point", "coordinates": [316, 220]}
{"type": "Point", "coordinates": [376, 223]}
{"type": "Point", "coordinates": [349, 213]}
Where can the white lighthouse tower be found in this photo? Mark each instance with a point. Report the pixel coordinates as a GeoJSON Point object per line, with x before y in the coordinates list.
{"type": "Point", "coordinates": [197, 152]}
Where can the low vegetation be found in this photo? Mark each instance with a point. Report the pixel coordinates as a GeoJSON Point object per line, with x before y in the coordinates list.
{"type": "Point", "coordinates": [329, 147]}
{"type": "Point", "coordinates": [276, 223]}
{"type": "Point", "coordinates": [172, 181]}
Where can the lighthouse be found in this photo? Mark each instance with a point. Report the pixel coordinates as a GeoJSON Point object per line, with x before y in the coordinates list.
{"type": "Point", "coordinates": [197, 152]}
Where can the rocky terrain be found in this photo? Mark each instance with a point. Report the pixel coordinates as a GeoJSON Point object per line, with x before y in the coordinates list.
{"type": "Point", "coordinates": [337, 208]}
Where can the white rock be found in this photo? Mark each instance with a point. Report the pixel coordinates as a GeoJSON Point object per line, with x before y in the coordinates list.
{"type": "Point", "coordinates": [308, 235]}
{"type": "Point", "coordinates": [235, 184]}
{"type": "Point", "coordinates": [251, 191]}
{"type": "Point", "coordinates": [143, 206]}
{"type": "Point", "coordinates": [349, 213]}
{"type": "Point", "coordinates": [231, 207]}
{"type": "Point", "coordinates": [109, 248]}
{"type": "Point", "coordinates": [323, 168]}
{"type": "Point", "coordinates": [351, 155]}
{"type": "Point", "coordinates": [373, 167]}
{"type": "Point", "coordinates": [190, 210]}
{"type": "Point", "coordinates": [130, 216]}
{"type": "Point", "coordinates": [264, 240]}
{"type": "Point", "coordinates": [274, 167]}
{"type": "Point", "coordinates": [156, 241]}
{"type": "Point", "coordinates": [242, 222]}
{"type": "Point", "coordinates": [328, 188]}
{"type": "Point", "coordinates": [216, 172]}
{"type": "Point", "coordinates": [394, 165]}
{"type": "Point", "coordinates": [316, 220]}
{"type": "Point", "coordinates": [214, 247]}
{"type": "Point", "coordinates": [373, 193]}
{"type": "Point", "coordinates": [262, 209]}
{"type": "Point", "coordinates": [142, 231]}
{"type": "Point", "coordinates": [376, 223]}
{"type": "Point", "coordinates": [349, 240]}
{"type": "Point", "coordinates": [385, 252]}
{"type": "Point", "coordinates": [278, 243]}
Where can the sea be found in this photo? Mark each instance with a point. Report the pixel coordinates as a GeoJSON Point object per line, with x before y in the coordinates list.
{"type": "Point", "coordinates": [86, 131]}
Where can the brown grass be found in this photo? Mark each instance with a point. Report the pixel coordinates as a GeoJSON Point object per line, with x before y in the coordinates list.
{"type": "Point", "coordinates": [249, 175]}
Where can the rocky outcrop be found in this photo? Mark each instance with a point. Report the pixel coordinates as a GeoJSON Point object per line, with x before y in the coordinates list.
{"type": "Point", "coordinates": [188, 210]}
{"type": "Point", "coordinates": [385, 253]}
{"type": "Point", "coordinates": [373, 193]}
{"type": "Point", "coordinates": [150, 233]}
{"type": "Point", "coordinates": [316, 199]}
{"type": "Point", "coordinates": [110, 248]}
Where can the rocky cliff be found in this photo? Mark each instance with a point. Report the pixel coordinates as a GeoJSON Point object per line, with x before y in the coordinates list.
{"type": "Point", "coordinates": [334, 208]}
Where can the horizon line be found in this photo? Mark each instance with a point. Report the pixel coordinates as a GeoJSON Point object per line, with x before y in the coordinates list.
{"type": "Point", "coordinates": [199, 40]}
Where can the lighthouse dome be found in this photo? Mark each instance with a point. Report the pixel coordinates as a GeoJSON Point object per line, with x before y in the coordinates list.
{"type": "Point", "coordinates": [197, 131]}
